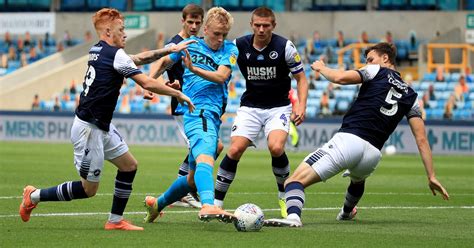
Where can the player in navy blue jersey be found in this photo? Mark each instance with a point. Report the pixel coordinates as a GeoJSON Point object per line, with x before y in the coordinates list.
{"type": "Point", "coordinates": [94, 137]}
{"type": "Point", "coordinates": [383, 100]}
{"type": "Point", "coordinates": [266, 61]}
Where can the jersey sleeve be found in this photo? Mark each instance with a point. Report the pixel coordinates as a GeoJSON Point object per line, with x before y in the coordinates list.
{"type": "Point", "coordinates": [175, 57]}
{"type": "Point", "coordinates": [229, 58]}
{"type": "Point", "coordinates": [415, 111]}
{"type": "Point", "coordinates": [368, 72]}
{"type": "Point", "coordinates": [124, 65]}
{"type": "Point", "coordinates": [292, 58]}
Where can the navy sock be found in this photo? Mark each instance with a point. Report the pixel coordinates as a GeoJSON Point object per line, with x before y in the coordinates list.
{"type": "Point", "coordinates": [176, 191]}
{"type": "Point", "coordinates": [281, 170]}
{"type": "Point", "coordinates": [123, 189]}
{"type": "Point", "coordinates": [64, 192]}
{"type": "Point", "coordinates": [225, 176]}
{"type": "Point", "coordinates": [184, 167]}
{"type": "Point", "coordinates": [353, 195]}
{"type": "Point", "coordinates": [294, 195]}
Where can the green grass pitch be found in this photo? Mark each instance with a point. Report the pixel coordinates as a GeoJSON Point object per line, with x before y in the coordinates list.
{"type": "Point", "coordinates": [397, 209]}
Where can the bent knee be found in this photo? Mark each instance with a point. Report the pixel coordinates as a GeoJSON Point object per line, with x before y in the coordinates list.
{"type": "Point", "coordinates": [276, 150]}
{"type": "Point", "coordinates": [235, 152]}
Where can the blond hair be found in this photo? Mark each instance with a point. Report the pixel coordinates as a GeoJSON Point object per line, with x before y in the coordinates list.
{"type": "Point", "coordinates": [219, 15]}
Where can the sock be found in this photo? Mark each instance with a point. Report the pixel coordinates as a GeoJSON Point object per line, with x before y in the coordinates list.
{"type": "Point", "coordinates": [204, 183]}
{"type": "Point", "coordinates": [176, 191]}
{"type": "Point", "coordinates": [281, 170]}
{"type": "Point", "coordinates": [294, 195]}
{"type": "Point", "coordinates": [225, 176]}
{"type": "Point", "coordinates": [353, 195]}
{"type": "Point", "coordinates": [64, 192]}
{"type": "Point", "coordinates": [184, 167]}
{"type": "Point", "coordinates": [123, 189]}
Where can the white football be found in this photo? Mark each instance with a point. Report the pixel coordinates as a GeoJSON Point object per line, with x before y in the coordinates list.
{"type": "Point", "coordinates": [249, 218]}
{"type": "Point", "coordinates": [390, 150]}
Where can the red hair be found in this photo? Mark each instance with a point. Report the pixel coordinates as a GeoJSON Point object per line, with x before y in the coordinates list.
{"type": "Point", "coordinates": [105, 16]}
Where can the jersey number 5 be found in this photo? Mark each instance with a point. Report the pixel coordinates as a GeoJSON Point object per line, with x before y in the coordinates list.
{"type": "Point", "coordinates": [393, 110]}
{"type": "Point", "coordinates": [89, 79]}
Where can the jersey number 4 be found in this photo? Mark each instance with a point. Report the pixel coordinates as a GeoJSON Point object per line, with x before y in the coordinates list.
{"type": "Point", "coordinates": [89, 79]}
{"type": "Point", "coordinates": [393, 110]}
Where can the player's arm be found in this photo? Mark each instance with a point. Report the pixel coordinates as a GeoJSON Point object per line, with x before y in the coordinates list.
{"type": "Point", "coordinates": [156, 71]}
{"type": "Point", "coordinates": [417, 126]}
{"type": "Point", "coordinates": [155, 86]}
{"type": "Point", "coordinates": [302, 85]}
{"type": "Point", "coordinates": [220, 76]}
{"type": "Point", "coordinates": [153, 55]}
{"type": "Point", "coordinates": [335, 75]}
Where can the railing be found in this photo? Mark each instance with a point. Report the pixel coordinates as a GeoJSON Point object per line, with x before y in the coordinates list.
{"type": "Point", "coordinates": [448, 66]}
{"type": "Point", "coordinates": [357, 47]}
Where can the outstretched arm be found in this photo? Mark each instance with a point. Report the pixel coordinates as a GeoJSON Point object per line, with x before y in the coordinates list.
{"type": "Point", "coordinates": [150, 56]}
{"type": "Point", "coordinates": [417, 126]}
{"type": "Point", "coordinates": [336, 76]}
{"type": "Point", "coordinates": [153, 85]}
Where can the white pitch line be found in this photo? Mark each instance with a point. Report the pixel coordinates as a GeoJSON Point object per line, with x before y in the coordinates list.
{"type": "Point", "coordinates": [273, 193]}
{"type": "Point", "coordinates": [231, 210]}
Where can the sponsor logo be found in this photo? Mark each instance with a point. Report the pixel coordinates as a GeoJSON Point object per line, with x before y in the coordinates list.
{"type": "Point", "coordinates": [260, 57]}
{"type": "Point", "coordinates": [234, 127]}
{"type": "Point", "coordinates": [261, 73]}
{"type": "Point", "coordinates": [273, 55]}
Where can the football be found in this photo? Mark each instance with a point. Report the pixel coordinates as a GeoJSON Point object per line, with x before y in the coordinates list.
{"type": "Point", "coordinates": [390, 150]}
{"type": "Point", "coordinates": [249, 218]}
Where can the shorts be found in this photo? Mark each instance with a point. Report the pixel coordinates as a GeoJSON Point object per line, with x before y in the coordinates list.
{"type": "Point", "coordinates": [345, 151]}
{"type": "Point", "coordinates": [202, 130]}
{"type": "Point", "coordinates": [92, 146]}
{"type": "Point", "coordinates": [250, 121]}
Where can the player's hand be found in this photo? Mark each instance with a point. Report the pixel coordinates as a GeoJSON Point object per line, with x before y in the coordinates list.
{"type": "Point", "coordinates": [148, 95]}
{"type": "Point", "coordinates": [318, 65]}
{"type": "Point", "coordinates": [436, 186]}
{"type": "Point", "coordinates": [182, 98]}
{"type": "Point", "coordinates": [181, 46]}
{"type": "Point", "coordinates": [299, 116]}
{"type": "Point", "coordinates": [187, 61]}
{"type": "Point", "coordinates": [175, 84]}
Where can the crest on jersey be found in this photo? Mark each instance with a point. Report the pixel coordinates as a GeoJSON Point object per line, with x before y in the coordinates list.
{"type": "Point", "coordinates": [233, 59]}
{"type": "Point", "coordinates": [273, 55]}
{"type": "Point", "coordinates": [247, 55]}
{"type": "Point", "coordinates": [283, 119]}
{"type": "Point", "coordinates": [260, 57]}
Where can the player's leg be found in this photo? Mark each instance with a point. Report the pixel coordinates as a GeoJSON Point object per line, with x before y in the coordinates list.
{"type": "Point", "coordinates": [276, 131]}
{"type": "Point", "coordinates": [319, 165]}
{"type": "Point", "coordinates": [363, 169]}
{"type": "Point", "coordinates": [116, 151]}
{"type": "Point", "coordinates": [245, 129]}
{"type": "Point", "coordinates": [89, 160]}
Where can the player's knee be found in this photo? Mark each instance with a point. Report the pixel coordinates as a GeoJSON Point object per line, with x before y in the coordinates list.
{"type": "Point", "coordinates": [235, 152]}
{"type": "Point", "coordinates": [276, 150]}
{"type": "Point", "coordinates": [90, 189]}
{"type": "Point", "coordinates": [132, 165]}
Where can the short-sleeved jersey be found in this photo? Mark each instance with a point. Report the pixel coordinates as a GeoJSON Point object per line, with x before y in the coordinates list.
{"type": "Point", "coordinates": [266, 71]}
{"type": "Point", "coordinates": [175, 73]}
{"type": "Point", "coordinates": [108, 66]}
{"type": "Point", "coordinates": [382, 102]}
{"type": "Point", "coordinates": [205, 94]}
